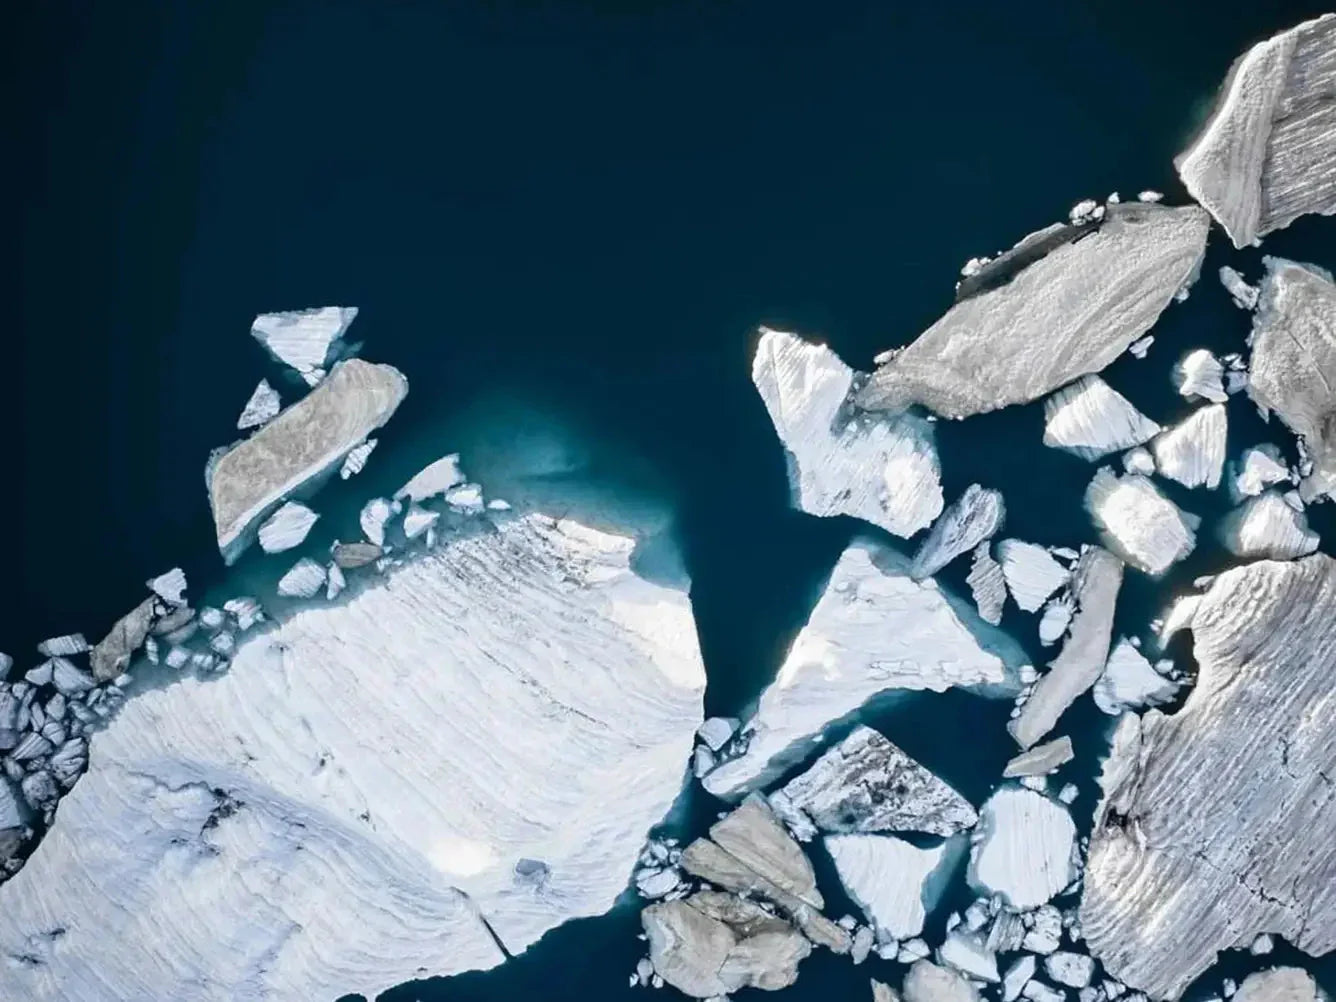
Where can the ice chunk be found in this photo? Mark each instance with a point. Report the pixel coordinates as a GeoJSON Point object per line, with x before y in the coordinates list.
{"type": "Point", "coordinates": [261, 408]}
{"type": "Point", "coordinates": [1193, 451]}
{"type": "Point", "coordinates": [888, 878]}
{"type": "Point", "coordinates": [304, 580]}
{"type": "Point", "coordinates": [1091, 420]}
{"type": "Point", "coordinates": [1266, 527]}
{"type": "Point", "coordinates": [974, 517]}
{"type": "Point", "coordinates": [435, 478]}
{"type": "Point", "coordinates": [1139, 523]}
{"type": "Point", "coordinates": [375, 513]}
{"type": "Point", "coordinates": [1020, 971]}
{"type": "Point", "coordinates": [1075, 970]}
{"type": "Point", "coordinates": [1041, 759]}
{"type": "Point", "coordinates": [355, 461]}
{"type": "Point", "coordinates": [969, 955]}
{"type": "Point", "coordinates": [1200, 374]}
{"type": "Point", "coordinates": [926, 982]}
{"type": "Point", "coordinates": [1279, 984]}
{"type": "Point", "coordinates": [1129, 682]}
{"type": "Point", "coordinates": [286, 527]}
{"type": "Point", "coordinates": [1259, 468]}
{"type": "Point", "coordinates": [1025, 847]}
{"type": "Point", "coordinates": [465, 497]}
{"type": "Point", "coordinates": [1243, 294]}
{"type": "Point", "coordinates": [1031, 572]}
{"type": "Point", "coordinates": [419, 520]}
{"type": "Point", "coordinates": [882, 470]}
{"type": "Point", "coordinates": [335, 582]}
{"type": "Point", "coordinates": [1140, 348]}
{"type": "Point", "coordinates": [170, 587]}
{"type": "Point", "coordinates": [307, 340]}
{"type": "Point", "coordinates": [717, 731]}
{"type": "Point", "coordinates": [1139, 461]}
{"type": "Point", "coordinates": [1055, 620]}
{"type": "Point", "coordinates": [71, 643]}
{"type": "Point", "coordinates": [113, 652]}
{"type": "Point", "coordinates": [988, 585]}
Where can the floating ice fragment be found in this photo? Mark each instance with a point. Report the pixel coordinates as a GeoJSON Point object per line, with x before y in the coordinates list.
{"type": "Point", "coordinates": [969, 955]}
{"type": "Point", "coordinates": [435, 478]}
{"type": "Point", "coordinates": [1130, 683]}
{"type": "Point", "coordinates": [419, 520]}
{"type": "Point", "coordinates": [1200, 374]}
{"type": "Point", "coordinates": [1090, 419]}
{"type": "Point", "coordinates": [170, 587]}
{"type": "Point", "coordinates": [717, 731]}
{"type": "Point", "coordinates": [1071, 969]}
{"type": "Point", "coordinates": [307, 340]}
{"type": "Point", "coordinates": [1243, 294]}
{"type": "Point", "coordinates": [375, 513]}
{"type": "Point", "coordinates": [465, 497]}
{"type": "Point", "coordinates": [1016, 976]}
{"type": "Point", "coordinates": [286, 527]}
{"type": "Point", "coordinates": [1031, 573]}
{"type": "Point", "coordinates": [988, 585]}
{"type": "Point", "coordinates": [1140, 348]}
{"type": "Point", "coordinates": [304, 580]}
{"type": "Point", "coordinates": [1041, 759]}
{"type": "Point", "coordinates": [888, 878]}
{"type": "Point", "coordinates": [335, 582]}
{"type": "Point", "coordinates": [1149, 195]}
{"type": "Point", "coordinates": [354, 462]}
{"type": "Point", "coordinates": [1025, 848]}
{"type": "Point", "coordinates": [974, 517]}
{"type": "Point", "coordinates": [1268, 528]}
{"type": "Point", "coordinates": [261, 408]}
{"type": "Point", "coordinates": [71, 643]}
{"type": "Point", "coordinates": [1193, 451]}
{"type": "Point", "coordinates": [1055, 620]}
{"type": "Point", "coordinates": [1259, 468]}
{"type": "Point", "coordinates": [1138, 522]}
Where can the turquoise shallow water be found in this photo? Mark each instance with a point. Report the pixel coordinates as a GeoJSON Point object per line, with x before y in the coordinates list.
{"type": "Point", "coordinates": [563, 221]}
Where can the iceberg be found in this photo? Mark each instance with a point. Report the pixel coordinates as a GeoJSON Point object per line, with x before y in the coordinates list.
{"type": "Point", "coordinates": [926, 982]}
{"type": "Point", "coordinates": [1267, 527]}
{"type": "Point", "coordinates": [1090, 419]}
{"type": "Point", "coordinates": [265, 833]}
{"type": "Point", "coordinates": [1130, 682]}
{"type": "Point", "coordinates": [374, 515]}
{"type": "Point", "coordinates": [975, 516]}
{"type": "Point", "coordinates": [64, 646]}
{"type": "Point", "coordinates": [1057, 616]}
{"type": "Point", "coordinates": [170, 587]}
{"type": "Point", "coordinates": [1193, 451]}
{"type": "Point", "coordinates": [419, 520]}
{"type": "Point", "coordinates": [308, 439]}
{"type": "Point", "coordinates": [1070, 308]}
{"type": "Point", "coordinates": [306, 340]}
{"type": "Point", "coordinates": [433, 479]}
{"type": "Point", "coordinates": [1265, 156]}
{"type": "Point", "coordinates": [1243, 294]}
{"type": "Point", "coordinates": [1031, 573]}
{"type": "Point", "coordinates": [888, 878]}
{"type": "Point", "coordinates": [1199, 374]}
{"type": "Point", "coordinates": [286, 527]}
{"type": "Point", "coordinates": [873, 629]}
{"type": "Point", "coordinates": [1041, 759]}
{"type": "Point", "coordinates": [882, 470]}
{"type": "Point", "coordinates": [1025, 848]}
{"type": "Point", "coordinates": [1279, 984]}
{"type": "Point", "coordinates": [261, 408]}
{"type": "Point", "coordinates": [988, 585]}
{"type": "Point", "coordinates": [304, 579]}
{"type": "Point", "coordinates": [1259, 468]}
{"type": "Point", "coordinates": [355, 461]}
{"type": "Point", "coordinates": [1139, 523]}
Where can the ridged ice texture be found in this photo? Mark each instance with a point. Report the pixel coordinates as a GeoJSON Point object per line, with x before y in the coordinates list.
{"type": "Point", "coordinates": [873, 629]}
{"type": "Point", "coordinates": [1024, 852]}
{"type": "Point", "coordinates": [988, 585]}
{"type": "Point", "coordinates": [1266, 156]}
{"type": "Point", "coordinates": [1193, 451]}
{"type": "Point", "coordinates": [886, 876]}
{"type": "Point", "coordinates": [973, 517]}
{"type": "Point", "coordinates": [1293, 365]}
{"type": "Point", "coordinates": [309, 438]}
{"type": "Point", "coordinates": [1069, 313]}
{"type": "Point", "coordinates": [306, 340]}
{"type": "Point", "coordinates": [1219, 822]}
{"type": "Point", "coordinates": [381, 768]}
{"type": "Point", "coordinates": [286, 527]}
{"type": "Point", "coordinates": [1090, 419]}
{"type": "Point", "coordinates": [1031, 573]}
{"type": "Point", "coordinates": [882, 470]}
{"type": "Point", "coordinates": [1265, 526]}
{"type": "Point", "coordinates": [1139, 523]}
{"type": "Point", "coordinates": [1200, 374]}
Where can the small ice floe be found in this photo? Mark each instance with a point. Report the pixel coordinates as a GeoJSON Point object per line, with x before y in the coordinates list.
{"type": "Point", "coordinates": [1265, 527]}
{"type": "Point", "coordinates": [70, 643]}
{"type": "Point", "coordinates": [988, 586]}
{"type": "Point", "coordinates": [435, 478]}
{"type": "Point", "coordinates": [1258, 468]}
{"type": "Point", "coordinates": [1075, 970]}
{"type": "Point", "coordinates": [1024, 850]}
{"type": "Point", "coordinates": [1016, 976]}
{"type": "Point", "coordinates": [1130, 682]}
{"type": "Point", "coordinates": [888, 878]}
{"type": "Point", "coordinates": [927, 982]}
{"type": "Point", "coordinates": [170, 587]}
{"type": "Point", "coordinates": [1031, 573]}
{"type": "Point", "coordinates": [1200, 374]}
{"type": "Point", "coordinates": [245, 610]}
{"type": "Point", "coordinates": [354, 462]}
{"type": "Point", "coordinates": [1085, 211]}
{"type": "Point", "coordinates": [967, 953]}
{"type": "Point", "coordinates": [69, 678]}
{"type": "Point", "coordinates": [498, 504]}
{"type": "Point", "coordinates": [304, 580]}
{"type": "Point", "coordinates": [974, 517]}
{"type": "Point", "coordinates": [287, 527]}
{"type": "Point", "coordinates": [1243, 294]}
{"type": "Point", "coordinates": [1090, 419]}
{"type": "Point", "coordinates": [1139, 523]}
{"type": "Point", "coordinates": [335, 582]}
{"type": "Point", "coordinates": [419, 520]}
{"type": "Point", "coordinates": [1263, 944]}
{"type": "Point", "coordinates": [309, 341]}
{"type": "Point", "coordinates": [1055, 620]}
{"type": "Point", "coordinates": [654, 883]}
{"type": "Point", "coordinates": [1149, 195]}
{"type": "Point", "coordinates": [261, 408]}
{"type": "Point", "coordinates": [1139, 461]}
{"type": "Point", "coordinates": [1140, 348]}
{"type": "Point", "coordinates": [375, 513]}
{"type": "Point", "coordinates": [717, 731]}
{"type": "Point", "coordinates": [352, 555]}
{"type": "Point", "coordinates": [1041, 759]}
{"type": "Point", "coordinates": [1193, 451]}
{"type": "Point", "coordinates": [465, 498]}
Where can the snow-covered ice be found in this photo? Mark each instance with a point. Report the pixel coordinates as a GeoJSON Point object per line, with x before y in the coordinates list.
{"type": "Point", "coordinates": [1090, 419]}
{"type": "Point", "coordinates": [1193, 451]}
{"type": "Point", "coordinates": [1031, 573]}
{"type": "Point", "coordinates": [1024, 852]}
{"type": "Point", "coordinates": [287, 527]}
{"type": "Point", "coordinates": [1139, 523]}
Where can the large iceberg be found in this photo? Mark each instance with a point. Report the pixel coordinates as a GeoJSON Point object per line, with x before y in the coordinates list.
{"type": "Point", "coordinates": [460, 757]}
{"type": "Point", "coordinates": [1025, 848]}
{"type": "Point", "coordinates": [888, 878]}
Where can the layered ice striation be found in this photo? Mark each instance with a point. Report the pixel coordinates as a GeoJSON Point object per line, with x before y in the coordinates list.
{"type": "Point", "coordinates": [1091, 420]}
{"type": "Point", "coordinates": [888, 878]}
{"type": "Point", "coordinates": [342, 809]}
{"type": "Point", "coordinates": [842, 462]}
{"type": "Point", "coordinates": [973, 518]}
{"type": "Point", "coordinates": [308, 341]}
{"type": "Point", "coordinates": [1025, 848]}
{"type": "Point", "coordinates": [1139, 523]}
{"type": "Point", "coordinates": [1031, 573]}
{"type": "Point", "coordinates": [1265, 156]}
{"type": "Point", "coordinates": [1193, 451]}
{"type": "Point", "coordinates": [1267, 526]}
{"type": "Point", "coordinates": [287, 527]}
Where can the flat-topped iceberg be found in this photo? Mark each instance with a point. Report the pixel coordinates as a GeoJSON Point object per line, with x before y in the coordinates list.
{"type": "Point", "coordinates": [1193, 451]}
{"type": "Point", "coordinates": [307, 440]}
{"type": "Point", "coordinates": [307, 340]}
{"type": "Point", "coordinates": [1265, 156]}
{"type": "Point", "coordinates": [882, 470]}
{"type": "Point", "coordinates": [1024, 849]}
{"type": "Point", "coordinates": [1218, 822]}
{"type": "Point", "coordinates": [874, 629]}
{"type": "Point", "coordinates": [485, 735]}
{"type": "Point", "coordinates": [1069, 309]}
{"type": "Point", "coordinates": [1265, 526]}
{"type": "Point", "coordinates": [1090, 419]}
{"type": "Point", "coordinates": [1031, 573]}
{"type": "Point", "coordinates": [888, 878]}
{"type": "Point", "coordinates": [1139, 523]}
{"type": "Point", "coordinates": [286, 527]}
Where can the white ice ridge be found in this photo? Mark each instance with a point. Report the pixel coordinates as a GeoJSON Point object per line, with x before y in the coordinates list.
{"type": "Point", "coordinates": [1193, 451]}
{"type": "Point", "coordinates": [1200, 374]}
{"type": "Point", "coordinates": [1139, 523]}
{"type": "Point", "coordinates": [490, 731]}
{"type": "Point", "coordinates": [356, 459]}
{"type": "Point", "coordinates": [873, 629]}
{"type": "Point", "coordinates": [1267, 527]}
{"type": "Point", "coordinates": [888, 878]}
{"type": "Point", "coordinates": [881, 469]}
{"type": "Point", "coordinates": [1091, 419]}
{"type": "Point", "coordinates": [286, 527]}
{"type": "Point", "coordinates": [1265, 156]}
{"type": "Point", "coordinates": [307, 340]}
{"type": "Point", "coordinates": [1024, 848]}
{"type": "Point", "coordinates": [1130, 682]}
{"type": "Point", "coordinates": [1031, 573]}
{"type": "Point", "coordinates": [262, 405]}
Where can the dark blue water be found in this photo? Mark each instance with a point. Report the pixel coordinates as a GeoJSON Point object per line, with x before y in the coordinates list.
{"type": "Point", "coordinates": [564, 221]}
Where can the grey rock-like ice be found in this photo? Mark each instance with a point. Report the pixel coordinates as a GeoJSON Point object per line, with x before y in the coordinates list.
{"type": "Point", "coordinates": [1265, 155]}
{"type": "Point", "coordinates": [306, 441]}
{"type": "Point", "coordinates": [170, 586]}
{"type": "Point", "coordinates": [1219, 822]}
{"type": "Point", "coordinates": [307, 340]}
{"type": "Point", "coordinates": [1041, 759]}
{"type": "Point", "coordinates": [355, 461]}
{"type": "Point", "coordinates": [304, 579]}
{"type": "Point", "coordinates": [866, 784]}
{"type": "Point", "coordinates": [1130, 682]}
{"type": "Point", "coordinates": [1193, 451]}
{"type": "Point", "coordinates": [1139, 523]}
{"type": "Point", "coordinates": [926, 982]}
{"type": "Point", "coordinates": [1265, 526]}
{"type": "Point", "coordinates": [988, 585]}
{"type": "Point", "coordinates": [874, 629]}
{"type": "Point", "coordinates": [261, 408]}
{"type": "Point", "coordinates": [1293, 367]}
{"type": "Point", "coordinates": [1096, 581]}
{"type": "Point", "coordinates": [433, 479]}
{"type": "Point", "coordinates": [842, 462]}
{"type": "Point", "coordinates": [1243, 294]}
{"type": "Point", "coordinates": [286, 527]}
{"type": "Point", "coordinates": [888, 878]}
{"type": "Point", "coordinates": [1279, 984]}
{"type": "Point", "coordinates": [973, 518]}
{"type": "Point", "coordinates": [1031, 573]}
{"type": "Point", "coordinates": [112, 653]}
{"type": "Point", "coordinates": [1070, 308]}
{"type": "Point", "coordinates": [1199, 374]}
{"type": "Point", "coordinates": [1025, 847]}
{"type": "Point", "coordinates": [310, 823]}
{"type": "Point", "coordinates": [1090, 419]}
{"type": "Point", "coordinates": [1259, 468]}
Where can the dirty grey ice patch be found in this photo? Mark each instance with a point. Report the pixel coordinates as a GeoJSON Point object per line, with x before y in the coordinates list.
{"type": "Point", "coordinates": [1068, 313]}
{"type": "Point", "coordinates": [307, 341]}
{"type": "Point", "coordinates": [1218, 823]}
{"type": "Point", "coordinates": [1265, 155]}
{"type": "Point", "coordinates": [977, 515]}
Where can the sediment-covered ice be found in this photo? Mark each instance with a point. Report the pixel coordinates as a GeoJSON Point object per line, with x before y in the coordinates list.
{"type": "Point", "coordinates": [1130, 682]}
{"type": "Point", "coordinates": [1193, 451]}
{"type": "Point", "coordinates": [888, 878]}
{"type": "Point", "coordinates": [340, 810]}
{"type": "Point", "coordinates": [1070, 308]}
{"type": "Point", "coordinates": [307, 340]}
{"type": "Point", "coordinates": [1200, 374]}
{"type": "Point", "coordinates": [1041, 759]}
{"type": "Point", "coordinates": [307, 440]}
{"type": "Point", "coordinates": [1139, 523]}
{"type": "Point", "coordinates": [1265, 156]}
{"type": "Point", "coordinates": [1024, 848]}
{"type": "Point", "coordinates": [286, 527]}
{"type": "Point", "coordinates": [1031, 573]}
{"type": "Point", "coordinates": [873, 629]}
{"type": "Point", "coordinates": [973, 517]}
{"type": "Point", "coordinates": [1219, 822]}
{"type": "Point", "coordinates": [988, 585]}
{"type": "Point", "coordinates": [1265, 526]}
{"type": "Point", "coordinates": [1091, 419]}
{"type": "Point", "coordinates": [881, 469]}
{"type": "Point", "coordinates": [262, 406]}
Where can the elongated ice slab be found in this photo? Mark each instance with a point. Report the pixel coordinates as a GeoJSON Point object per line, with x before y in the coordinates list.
{"type": "Point", "coordinates": [306, 340]}
{"type": "Point", "coordinates": [340, 810]}
{"type": "Point", "coordinates": [882, 470]}
{"type": "Point", "coordinates": [1090, 419]}
{"type": "Point", "coordinates": [434, 478]}
{"type": "Point", "coordinates": [262, 407]}
{"type": "Point", "coordinates": [286, 527]}
{"type": "Point", "coordinates": [888, 878]}
{"type": "Point", "coordinates": [1193, 451]}
{"type": "Point", "coordinates": [973, 517]}
{"type": "Point", "coordinates": [1139, 523]}
{"type": "Point", "coordinates": [355, 461]}
{"type": "Point", "coordinates": [1265, 526]}
{"type": "Point", "coordinates": [988, 585]}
